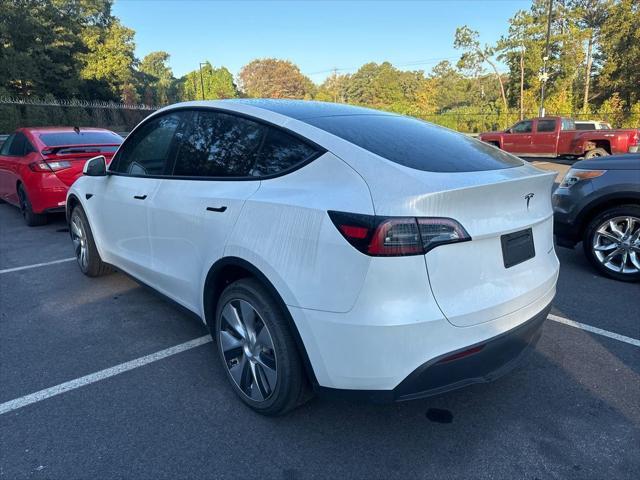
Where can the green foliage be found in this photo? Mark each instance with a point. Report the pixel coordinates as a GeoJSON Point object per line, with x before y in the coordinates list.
{"type": "Point", "coordinates": [217, 82]}
{"type": "Point", "coordinates": [273, 78]}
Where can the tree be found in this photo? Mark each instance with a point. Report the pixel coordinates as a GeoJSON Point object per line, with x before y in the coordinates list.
{"type": "Point", "coordinates": [474, 56]}
{"type": "Point", "coordinates": [218, 83]}
{"type": "Point", "coordinates": [158, 80]}
{"type": "Point", "coordinates": [273, 78]}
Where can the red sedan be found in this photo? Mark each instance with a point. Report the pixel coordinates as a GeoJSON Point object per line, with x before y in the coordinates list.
{"type": "Point", "coordinates": [38, 165]}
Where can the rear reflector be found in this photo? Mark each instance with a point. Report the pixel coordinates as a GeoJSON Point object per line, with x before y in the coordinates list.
{"type": "Point", "coordinates": [397, 236]}
{"type": "Point", "coordinates": [459, 355]}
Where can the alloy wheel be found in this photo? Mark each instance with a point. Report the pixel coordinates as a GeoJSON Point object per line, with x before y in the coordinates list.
{"type": "Point", "coordinates": [79, 238]}
{"type": "Point", "coordinates": [248, 350]}
{"type": "Point", "coordinates": [616, 244]}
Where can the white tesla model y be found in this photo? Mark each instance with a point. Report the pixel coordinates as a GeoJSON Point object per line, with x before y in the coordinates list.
{"type": "Point", "coordinates": [327, 247]}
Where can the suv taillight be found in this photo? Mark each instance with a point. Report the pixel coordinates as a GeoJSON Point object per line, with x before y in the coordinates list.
{"type": "Point", "coordinates": [397, 236]}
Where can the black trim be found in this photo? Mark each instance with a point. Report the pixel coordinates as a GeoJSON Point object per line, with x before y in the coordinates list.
{"type": "Point", "coordinates": [320, 150]}
{"type": "Point", "coordinates": [217, 209]}
{"type": "Point", "coordinates": [140, 197]}
{"type": "Point", "coordinates": [498, 356]}
{"type": "Point", "coordinates": [54, 210]}
{"type": "Point", "coordinates": [88, 196]}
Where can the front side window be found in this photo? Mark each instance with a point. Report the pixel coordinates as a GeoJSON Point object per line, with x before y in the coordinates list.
{"type": "Point", "coordinates": [147, 150]}
{"type": "Point", "coordinates": [523, 127]}
{"type": "Point", "coordinates": [218, 145]}
{"type": "Point", "coordinates": [546, 126]}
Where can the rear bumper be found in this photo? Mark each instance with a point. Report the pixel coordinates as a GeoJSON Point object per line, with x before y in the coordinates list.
{"type": "Point", "coordinates": [46, 192]}
{"type": "Point", "coordinates": [488, 360]}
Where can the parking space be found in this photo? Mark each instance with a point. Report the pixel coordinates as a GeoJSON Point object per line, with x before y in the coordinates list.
{"type": "Point", "coordinates": [570, 411]}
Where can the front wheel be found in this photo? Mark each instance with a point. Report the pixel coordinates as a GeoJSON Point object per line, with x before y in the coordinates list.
{"type": "Point", "coordinates": [612, 242]}
{"type": "Point", "coordinates": [85, 248]}
{"type": "Point", "coordinates": [257, 349]}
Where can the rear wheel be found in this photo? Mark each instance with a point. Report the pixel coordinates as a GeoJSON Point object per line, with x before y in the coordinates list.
{"type": "Point", "coordinates": [257, 349]}
{"type": "Point", "coordinates": [596, 152]}
{"type": "Point", "coordinates": [85, 248]}
{"type": "Point", "coordinates": [32, 219]}
{"type": "Point", "coordinates": [612, 242]}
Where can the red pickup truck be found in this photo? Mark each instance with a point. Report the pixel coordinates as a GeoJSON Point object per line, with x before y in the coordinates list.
{"type": "Point", "coordinates": [558, 137]}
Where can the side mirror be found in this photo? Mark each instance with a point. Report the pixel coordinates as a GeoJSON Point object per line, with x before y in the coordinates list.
{"type": "Point", "coordinates": [95, 167]}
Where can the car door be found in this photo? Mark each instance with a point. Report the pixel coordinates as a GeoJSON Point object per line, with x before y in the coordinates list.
{"type": "Point", "coordinates": [6, 172]}
{"type": "Point", "coordinates": [133, 180]}
{"type": "Point", "coordinates": [545, 138]}
{"type": "Point", "coordinates": [518, 140]}
{"type": "Point", "coordinates": [192, 213]}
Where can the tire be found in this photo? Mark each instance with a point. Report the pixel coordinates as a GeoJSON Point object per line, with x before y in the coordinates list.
{"type": "Point", "coordinates": [87, 254]}
{"type": "Point", "coordinates": [596, 152]}
{"type": "Point", "coordinates": [264, 369]}
{"type": "Point", "coordinates": [598, 246]}
{"type": "Point", "coordinates": [32, 219]}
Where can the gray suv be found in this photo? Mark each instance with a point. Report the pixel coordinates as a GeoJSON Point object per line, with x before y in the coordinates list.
{"type": "Point", "coordinates": [598, 203]}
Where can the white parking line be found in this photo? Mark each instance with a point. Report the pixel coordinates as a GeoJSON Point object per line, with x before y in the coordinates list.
{"type": "Point", "coordinates": [101, 375]}
{"type": "Point", "coordinates": [596, 330]}
{"type": "Point", "coordinates": [36, 265]}
{"type": "Point", "coordinates": [196, 342]}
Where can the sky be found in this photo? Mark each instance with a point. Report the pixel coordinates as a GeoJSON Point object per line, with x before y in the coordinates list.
{"type": "Point", "coordinates": [318, 36]}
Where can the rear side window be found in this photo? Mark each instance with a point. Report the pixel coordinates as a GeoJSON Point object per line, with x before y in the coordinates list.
{"type": "Point", "coordinates": [567, 124]}
{"type": "Point", "coordinates": [546, 126]}
{"type": "Point", "coordinates": [281, 152]}
{"type": "Point", "coordinates": [218, 145]}
{"type": "Point", "coordinates": [18, 146]}
{"type": "Point", "coordinates": [147, 150]}
{"type": "Point", "coordinates": [82, 138]}
{"type": "Point", "coordinates": [6, 146]}
{"type": "Point", "coordinates": [416, 144]}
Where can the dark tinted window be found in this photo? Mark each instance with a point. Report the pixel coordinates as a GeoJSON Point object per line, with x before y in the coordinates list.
{"type": "Point", "coordinates": [83, 138]}
{"type": "Point", "coordinates": [7, 145]}
{"type": "Point", "coordinates": [219, 145]}
{"type": "Point", "coordinates": [416, 144]}
{"type": "Point", "coordinates": [20, 146]}
{"type": "Point", "coordinates": [546, 125]}
{"type": "Point", "coordinates": [523, 127]}
{"type": "Point", "coordinates": [585, 126]}
{"type": "Point", "coordinates": [147, 149]}
{"type": "Point", "coordinates": [280, 152]}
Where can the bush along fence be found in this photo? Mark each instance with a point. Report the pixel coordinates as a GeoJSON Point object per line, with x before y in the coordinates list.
{"type": "Point", "coordinates": [119, 117]}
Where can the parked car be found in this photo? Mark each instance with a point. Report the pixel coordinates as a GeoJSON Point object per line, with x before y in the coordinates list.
{"type": "Point", "coordinates": [598, 203]}
{"type": "Point", "coordinates": [558, 137]}
{"type": "Point", "coordinates": [357, 251]}
{"type": "Point", "coordinates": [38, 165]}
{"type": "Point", "coordinates": [591, 125]}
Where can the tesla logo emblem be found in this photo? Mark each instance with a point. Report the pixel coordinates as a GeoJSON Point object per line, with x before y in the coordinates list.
{"type": "Point", "coordinates": [528, 198]}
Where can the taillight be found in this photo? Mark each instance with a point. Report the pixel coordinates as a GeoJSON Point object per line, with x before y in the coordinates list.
{"type": "Point", "coordinates": [635, 138]}
{"type": "Point", "coordinates": [397, 236]}
{"type": "Point", "coordinates": [43, 166]}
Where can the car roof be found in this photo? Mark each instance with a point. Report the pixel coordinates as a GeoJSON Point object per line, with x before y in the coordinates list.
{"type": "Point", "coordinates": [296, 109]}
{"type": "Point", "coordinates": [41, 130]}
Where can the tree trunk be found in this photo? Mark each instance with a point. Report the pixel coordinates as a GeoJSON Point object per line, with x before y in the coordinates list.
{"type": "Point", "coordinates": [587, 75]}
{"type": "Point", "coordinates": [504, 96]}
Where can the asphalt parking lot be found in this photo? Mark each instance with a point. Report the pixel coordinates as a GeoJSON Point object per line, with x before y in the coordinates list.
{"type": "Point", "coordinates": [571, 411]}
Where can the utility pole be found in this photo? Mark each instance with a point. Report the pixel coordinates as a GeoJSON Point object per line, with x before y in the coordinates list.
{"type": "Point", "coordinates": [544, 76]}
{"type": "Point", "coordinates": [201, 81]}
{"type": "Point", "coordinates": [335, 85]}
{"type": "Point", "coordinates": [522, 49]}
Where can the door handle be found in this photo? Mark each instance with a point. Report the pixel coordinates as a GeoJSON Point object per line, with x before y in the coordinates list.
{"type": "Point", "coordinates": [216, 209]}
{"type": "Point", "coordinates": [139, 197]}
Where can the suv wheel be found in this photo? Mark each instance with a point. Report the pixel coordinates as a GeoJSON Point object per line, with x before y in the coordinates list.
{"type": "Point", "coordinates": [257, 350]}
{"type": "Point", "coordinates": [612, 242]}
{"type": "Point", "coordinates": [85, 248]}
{"type": "Point", "coordinates": [32, 219]}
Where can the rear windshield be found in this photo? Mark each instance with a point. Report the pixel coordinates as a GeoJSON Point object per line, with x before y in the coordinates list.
{"type": "Point", "coordinates": [585, 126]}
{"type": "Point", "coordinates": [83, 138]}
{"type": "Point", "coordinates": [416, 144]}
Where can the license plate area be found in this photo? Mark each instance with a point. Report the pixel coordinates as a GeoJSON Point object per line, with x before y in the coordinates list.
{"type": "Point", "coordinates": [517, 247]}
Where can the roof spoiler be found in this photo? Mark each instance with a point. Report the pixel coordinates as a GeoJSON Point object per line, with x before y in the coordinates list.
{"type": "Point", "coordinates": [89, 148]}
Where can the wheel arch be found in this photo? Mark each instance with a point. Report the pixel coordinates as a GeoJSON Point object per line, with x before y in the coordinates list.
{"type": "Point", "coordinates": [602, 204]}
{"type": "Point", "coordinates": [229, 269]}
{"type": "Point", "coordinates": [72, 202]}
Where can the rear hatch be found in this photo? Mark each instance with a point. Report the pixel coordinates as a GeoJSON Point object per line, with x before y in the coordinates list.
{"type": "Point", "coordinates": [67, 162]}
